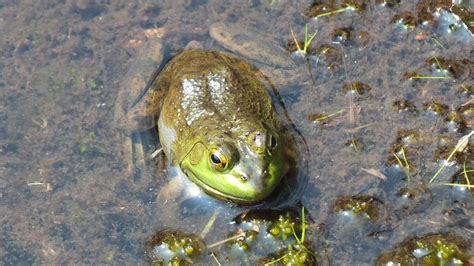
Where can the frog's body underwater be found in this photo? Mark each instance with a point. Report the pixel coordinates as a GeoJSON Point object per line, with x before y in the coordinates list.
{"type": "Point", "coordinates": [217, 124]}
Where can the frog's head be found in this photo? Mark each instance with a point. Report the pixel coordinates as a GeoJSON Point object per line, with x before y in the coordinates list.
{"type": "Point", "coordinates": [244, 169]}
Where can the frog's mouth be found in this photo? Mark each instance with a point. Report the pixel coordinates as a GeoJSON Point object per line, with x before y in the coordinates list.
{"type": "Point", "coordinates": [215, 193]}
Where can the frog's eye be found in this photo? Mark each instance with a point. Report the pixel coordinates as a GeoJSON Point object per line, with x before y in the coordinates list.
{"type": "Point", "coordinates": [273, 142]}
{"type": "Point", "coordinates": [218, 160]}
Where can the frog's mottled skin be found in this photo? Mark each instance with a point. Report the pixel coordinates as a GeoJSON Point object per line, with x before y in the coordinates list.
{"type": "Point", "coordinates": [218, 125]}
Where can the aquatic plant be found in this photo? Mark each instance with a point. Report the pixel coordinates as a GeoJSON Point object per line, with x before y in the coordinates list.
{"type": "Point", "coordinates": [414, 75]}
{"type": "Point", "coordinates": [360, 206]}
{"type": "Point", "coordinates": [323, 118]}
{"type": "Point", "coordinates": [464, 179]}
{"type": "Point", "coordinates": [406, 19]}
{"type": "Point", "coordinates": [319, 10]}
{"type": "Point", "coordinates": [436, 249]}
{"type": "Point", "coordinates": [460, 146]}
{"type": "Point", "coordinates": [293, 255]}
{"type": "Point", "coordinates": [357, 88]}
{"type": "Point", "coordinates": [306, 43]}
{"type": "Point", "coordinates": [342, 35]}
{"type": "Point", "coordinates": [354, 143]}
{"type": "Point", "coordinates": [169, 247]}
{"type": "Point", "coordinates": [297, 253]}
{"type": "Point", "coordinates": [405, 165]}
{"type": "Point", "coordinates": [466, 90]}
{"type": "Point", "coordinates": [404, 105]}
{"type": "Point", "coordinates": [436, 108]}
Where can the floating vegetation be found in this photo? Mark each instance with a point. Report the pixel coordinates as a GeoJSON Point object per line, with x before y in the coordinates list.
{"type": "Point", "coordinates": [276, 223]}
{"type": "Point", "coordinates": [436, 249]}
{"type": "Point", "coordinates": [375, 172]}
{"type": "Point", "coordinates": [241, 242]}
{"type": "Point", "coordinates": [404, 106]}
{"type": "Point", "coordinates": [412, 199]}
{"type": "Point", "coordinates": [214, 257]}
{"type": "Point", "coordinates": [342, 35]}
{"type": "Point", "coordinates": [356, 88]}
{"type": "Point", "coordinates": [361, 37]}
{"type": "Point", "coordinates": [444, 150]}
{"type": "Point", "coordinates": [403, 151]}
{"type": "Point", "coordinates": [429, 12]}
{"type": "Point", "coordinates": [463, 179]}
{"type": "Point", "coordinates": [460, 146]}
{"type": "Point", "coordinates": [323, 118]}
{"type": "Point", "coordinates": [296, 254]}
{"type": "Point", "coordinates": [416, 76]}
{"type": "Point", "coordinates": [442, 14]}
{"type": "Point", "coordinates": [466, 15]}
{"type": "Point", "coordinates": [355, 144]}
{"type": "Point", "coordinates": [319, 10]}
{"type": "Point", "coordinates": [330, 55]}
{"type": "Point", "coordinates": [358, 206]}
{"type": "Point", "coordinates": [466, 90]}
{"type": "Point", "coordinates": [406, 19]}
{"type": "Point", "coordinates": [174, 248]}
{"type": "Point", "coordinates": [403, 162]}
{"type": "Point", "coordinates": [443, 67]}
{"type": "Point", "coordinates": [278, 233]}
{"type": "Point", "coordinates": [408, 137]}
{"type": "Point", "coordinates": [449, 13]}
{"type": "Point", "coordinates": [467, 110]}
{"type": "Point", "coordinates": [411, 192]}
{"type": "Point", "coordinates": [438, 43]}
{"type": "Point", "coordinates": [456, 122]}
{"type": "Point", "coordinates": [436, 108]}
{"type": "Point", "coordinates": [388, 3]}
{"type": "Point", "coordinates": [304, 48]}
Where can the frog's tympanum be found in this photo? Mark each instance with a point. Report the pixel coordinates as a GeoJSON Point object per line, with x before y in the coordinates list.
{"type": "Point", "coordinates": [218, 125]}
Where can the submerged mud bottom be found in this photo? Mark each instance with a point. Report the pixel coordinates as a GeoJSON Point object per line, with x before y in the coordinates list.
{"type": "Point", "coordinates": [382, 94]}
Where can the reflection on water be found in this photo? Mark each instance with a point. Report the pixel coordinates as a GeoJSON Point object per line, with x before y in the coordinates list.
{"type": "Point", "coordinates": [384, 86]}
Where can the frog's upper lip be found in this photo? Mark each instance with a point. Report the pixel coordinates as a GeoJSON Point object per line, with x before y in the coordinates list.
{"type": "Point", "coordinates": [219, 194]}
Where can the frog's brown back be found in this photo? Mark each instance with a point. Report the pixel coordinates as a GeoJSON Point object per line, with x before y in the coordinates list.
{"type": "Point", "coordinates": [213, 89]}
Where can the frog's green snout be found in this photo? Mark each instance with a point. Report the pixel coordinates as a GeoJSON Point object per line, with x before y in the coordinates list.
{"type": "Point", "coordinates": [244, 170]}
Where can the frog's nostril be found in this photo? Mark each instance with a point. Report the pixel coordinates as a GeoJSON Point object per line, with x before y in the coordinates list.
{"type": "Point", "coordinates": [244, 177]}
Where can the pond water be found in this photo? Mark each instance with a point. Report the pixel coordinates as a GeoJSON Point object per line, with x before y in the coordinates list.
{"type": "Point", "coordinates": [381, 98]}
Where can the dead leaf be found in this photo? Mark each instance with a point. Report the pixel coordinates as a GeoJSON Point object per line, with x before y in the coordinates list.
{"type": "Point", "coordinates": [375, 172]}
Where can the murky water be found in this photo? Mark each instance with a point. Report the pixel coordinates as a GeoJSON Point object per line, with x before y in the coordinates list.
{"type": "Point", "coordinates": [382, 101]}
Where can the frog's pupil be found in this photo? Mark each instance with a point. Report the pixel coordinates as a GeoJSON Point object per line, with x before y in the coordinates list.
{"type": "Point", "coordinates": [273, 142]}
{"type": "Point", "coordinates": [215, 159]}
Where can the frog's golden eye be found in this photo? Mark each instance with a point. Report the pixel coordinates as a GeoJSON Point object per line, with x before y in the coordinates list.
{"type": "Point", "coordinates": [218, 160]}
{"type": "Point", "coordinates": [273, 142]}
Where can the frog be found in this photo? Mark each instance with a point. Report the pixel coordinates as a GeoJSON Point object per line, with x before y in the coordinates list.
{"type": "Point", "coordinates": [216, 121]}
{"type": "Point", "coordinates": [218, 124]}
{"type": "Point", "coordinates": [215, 114]}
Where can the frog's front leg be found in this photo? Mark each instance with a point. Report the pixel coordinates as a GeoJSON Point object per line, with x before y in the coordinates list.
{"type": "Point", "coordinates": [138, 103]}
